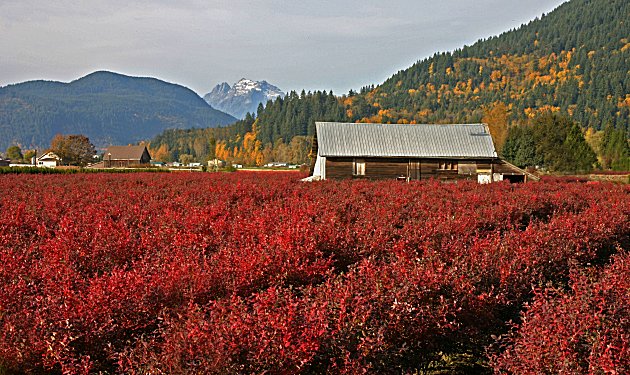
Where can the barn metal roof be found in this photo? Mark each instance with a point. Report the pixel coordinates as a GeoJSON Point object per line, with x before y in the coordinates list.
{"type": "Point", "coordinates": [405, 140]}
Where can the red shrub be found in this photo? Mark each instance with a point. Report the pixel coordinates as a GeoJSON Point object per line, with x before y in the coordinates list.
{"type": "Point", "coordinates": [255, 272]}
{"type": "Point", "coordinates": [582, 331]}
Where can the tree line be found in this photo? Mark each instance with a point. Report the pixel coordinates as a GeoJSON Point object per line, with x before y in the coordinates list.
{"type": "Point", "coordinates": [72, 149]}
{"type": "Point", "coordinates": [280, 131]}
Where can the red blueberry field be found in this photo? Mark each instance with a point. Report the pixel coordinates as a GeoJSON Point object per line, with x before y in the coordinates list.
{"type": "Point", "coordinates": [261, 273]}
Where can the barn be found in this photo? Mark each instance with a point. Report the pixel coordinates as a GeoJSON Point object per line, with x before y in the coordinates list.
{"type": "Point", "coordinates": [409, 152]}
{"type": "Point", "coordinates": [126, 156]}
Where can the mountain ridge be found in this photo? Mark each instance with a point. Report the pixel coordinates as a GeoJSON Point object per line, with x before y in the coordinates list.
{"type": "Point", "coordinates": [108, 107]}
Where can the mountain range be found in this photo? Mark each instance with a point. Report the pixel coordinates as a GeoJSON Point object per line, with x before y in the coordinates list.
{"type": "Point", "coordinates": [107, 107]}
{"type": "Point", "coordinates": [243, 97]}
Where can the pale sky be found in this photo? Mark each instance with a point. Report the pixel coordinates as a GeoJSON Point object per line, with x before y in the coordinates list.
{"type": "Point", "coordinates": [294, 44]}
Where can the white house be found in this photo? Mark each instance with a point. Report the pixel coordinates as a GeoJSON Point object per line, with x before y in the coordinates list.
{"type": "Point", "coordinates": [48, 160]}
{"type": "Point", "coordinates": [216, 163]}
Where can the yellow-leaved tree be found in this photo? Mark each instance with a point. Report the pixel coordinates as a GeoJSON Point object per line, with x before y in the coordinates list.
{"type": "Point", "coordinates": [497, 119]}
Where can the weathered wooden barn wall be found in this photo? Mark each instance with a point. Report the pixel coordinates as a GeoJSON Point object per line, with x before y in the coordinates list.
{"type": "Point", "coordinates": [379, 169]}
{"type": "Point", "coordinates": [416, 169]}
{"type": "Point", "coordinates": [339, 168]}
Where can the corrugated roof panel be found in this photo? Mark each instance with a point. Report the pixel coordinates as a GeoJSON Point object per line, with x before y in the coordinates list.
{"type": "Point", "coordinates": [404, 140]}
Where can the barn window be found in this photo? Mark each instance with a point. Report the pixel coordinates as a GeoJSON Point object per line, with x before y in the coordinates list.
{"type": "Point", "coordinates": [447, 165]}
{"type": "Point", "coordinates": [467, 167]}
{"type": "Point", "coordinates": [359, 167]}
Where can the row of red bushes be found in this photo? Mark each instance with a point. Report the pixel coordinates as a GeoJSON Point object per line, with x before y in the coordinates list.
{"type": "Point", "coordinates": [583, 330]}
{"type": "Point", "coordinates": [250, 272]}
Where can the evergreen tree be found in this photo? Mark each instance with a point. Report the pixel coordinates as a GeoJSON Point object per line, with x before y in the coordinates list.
{"type": "Point", "coordinates": [551, 141]}
{"type": "Point", "coordinates": [615, 149]}
{"type": "Point", "coordinates": [520, 147]}
{"type": "Point", "coordinates": [578, 155]}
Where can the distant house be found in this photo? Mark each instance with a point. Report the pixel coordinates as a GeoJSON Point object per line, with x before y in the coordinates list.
{"type": "Point", "coordinates": [126, 156]}
{"type": "Point", "coordinates": [48, 160]}
{"type": "Point", "coordinates": [4, 162]}
{"type": "Point", "coordinates": [277, 164]}
{"type": "Point", "coordinates": [409, 152]}
{"type": "Point", "coordinates": [216, 163]}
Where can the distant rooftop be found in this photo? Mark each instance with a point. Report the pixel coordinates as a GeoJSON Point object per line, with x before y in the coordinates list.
{"type": "Point", "coordinates": [124, 152]}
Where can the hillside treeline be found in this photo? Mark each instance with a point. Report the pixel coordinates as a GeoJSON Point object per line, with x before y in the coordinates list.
{"type": "Point", "coordinates": [281, 131]}
{"type": "Point", "coordinates": [574, 61]}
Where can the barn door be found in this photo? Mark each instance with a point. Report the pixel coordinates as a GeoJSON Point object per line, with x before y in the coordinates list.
{"type": "Point", "coordinates": [414, 169]}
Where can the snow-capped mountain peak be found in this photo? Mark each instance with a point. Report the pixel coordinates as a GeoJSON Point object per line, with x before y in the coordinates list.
{"type": "Point", "coordinates": [244, 86]}
{"type": "Point", "coordinates": [242, 97]}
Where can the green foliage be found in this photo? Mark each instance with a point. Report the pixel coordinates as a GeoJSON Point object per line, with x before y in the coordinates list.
{"type": "Point", "coordinates": [37, 170]}
{"type": "Point", "coordinates": [212, 145]}
{"type": "Point", "coordinates": [578, 155]}
{"type": "Point", "coordinates": [14, 153]}
{"type": "Point", "coordinates": [296, 115]}
{"type": "Point", "coordinates": [28, 155]}
{"type": "Point", "coordinates": [520, 147]}
{"type": "Point", "coordinates": [186, 159]}
{"type": "Point", "coordinates": [615, 150]}
{"type": "Point", "coordinates": [574, 60]}
{"type": "Point", "coordinates": [551, 141]}
{"type": "Point", "coordinates": [109, 108]}
{"type": "Point", "coordinates": [283, 127]}
{"type": "Point", "coordinates": [229, 168]}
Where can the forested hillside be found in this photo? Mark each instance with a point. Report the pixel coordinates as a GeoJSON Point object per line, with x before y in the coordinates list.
{"type": "Point", "coordinates": [107, 107]}
{"type": "Point", "coordinates": [574, 62]}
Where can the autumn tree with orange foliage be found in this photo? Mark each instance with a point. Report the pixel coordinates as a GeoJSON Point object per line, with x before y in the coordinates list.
{"type": "Point", "coordinates": [497, 118]}
{"type": "Point", "coordinates": [74, 149]}
{"type": "Point", "coordinates": [161, 153]}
